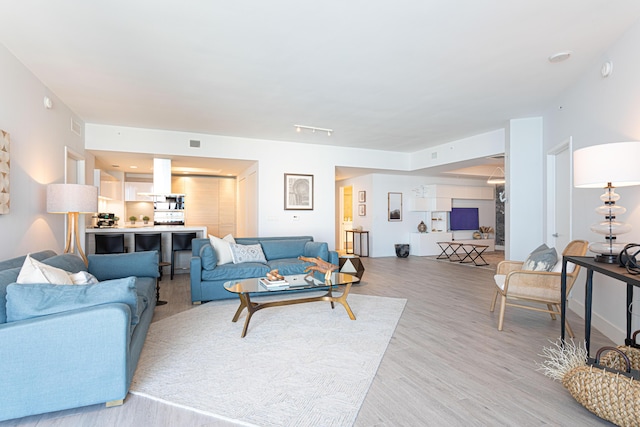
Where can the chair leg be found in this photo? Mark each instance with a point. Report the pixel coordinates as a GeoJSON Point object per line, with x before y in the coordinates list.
{"type": "Point", "coordinates": [173, 262]}
{"type": "Point", "coordinates": [569, 331]}
{"type": "Point", "coordinates": [503, 305]}
{"type": "Point", "coordinates": [493, 301]}
{"type": "Point", "coordinates": [550, 307]}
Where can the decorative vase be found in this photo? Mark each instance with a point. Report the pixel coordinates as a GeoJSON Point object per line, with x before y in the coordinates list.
{"type": "Point", "coordinates": [422, 227]}
{"type": "Point", "coordinates": [402, 250]}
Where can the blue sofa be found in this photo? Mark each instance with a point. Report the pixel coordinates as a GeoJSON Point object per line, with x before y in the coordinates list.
{"type": "Point", "coordinates": [85, 348]}
{"type": "Point", "coordinates": [208, 278]}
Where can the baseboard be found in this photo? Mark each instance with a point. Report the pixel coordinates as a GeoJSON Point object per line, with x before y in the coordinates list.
{"type": "Point", "coordinates": [598, 322]}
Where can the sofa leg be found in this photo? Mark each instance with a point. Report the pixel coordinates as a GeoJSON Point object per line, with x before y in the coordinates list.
{"type": "Point", "coordinates": [114, 403]}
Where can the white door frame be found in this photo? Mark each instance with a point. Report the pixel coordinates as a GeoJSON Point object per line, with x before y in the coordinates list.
{"type": "Point", "coordinates": [552, 189]}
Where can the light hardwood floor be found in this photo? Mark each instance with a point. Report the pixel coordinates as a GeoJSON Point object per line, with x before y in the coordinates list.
{"type": "Point", "coordinates": [446, 364]}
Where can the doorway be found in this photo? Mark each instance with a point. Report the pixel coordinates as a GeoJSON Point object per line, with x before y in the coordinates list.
{"type": "Point", "coordinates": [559, 195]}
{"type": "Point", "coordinates": [346, 217]}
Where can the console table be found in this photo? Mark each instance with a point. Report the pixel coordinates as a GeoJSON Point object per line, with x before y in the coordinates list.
{"type": "Point", "coordinates": [361, 234]}
{"type": "Point", "coordinates": [610, 270]}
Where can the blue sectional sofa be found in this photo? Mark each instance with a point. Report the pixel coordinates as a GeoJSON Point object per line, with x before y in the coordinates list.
{"type": "Point", "coordinates": [208, 278]}
{"type": "Point", "coordinates": [68, 346]}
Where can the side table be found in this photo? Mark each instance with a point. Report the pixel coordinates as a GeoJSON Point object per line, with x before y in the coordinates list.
{"type": "Point", "coordinates": [351, 264]}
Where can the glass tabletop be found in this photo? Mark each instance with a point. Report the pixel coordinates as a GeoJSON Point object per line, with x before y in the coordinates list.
{"type": "Point", "coordinates": [296, 282]}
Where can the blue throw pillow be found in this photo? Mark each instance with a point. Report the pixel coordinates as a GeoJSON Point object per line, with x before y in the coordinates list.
{"type": "Point", "coordinates": [25, 301]}
{"type": "Point", "coordinates": [115, 266]}
{"type": "Point", "coordinates": [208, 257]}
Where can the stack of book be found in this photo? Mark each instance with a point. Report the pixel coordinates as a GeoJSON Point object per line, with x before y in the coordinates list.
{"type": "Point", "coordinates": [274, 285]}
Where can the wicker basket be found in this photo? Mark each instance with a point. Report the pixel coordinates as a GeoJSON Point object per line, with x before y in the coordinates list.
{"type": "Point", "coordinates": [610, 394]}
{"type": "Point", "coordinates": [616, 361]}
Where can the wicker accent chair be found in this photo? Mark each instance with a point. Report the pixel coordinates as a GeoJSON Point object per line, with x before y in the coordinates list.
{"type": "Point", "coordinates": [539, 287]}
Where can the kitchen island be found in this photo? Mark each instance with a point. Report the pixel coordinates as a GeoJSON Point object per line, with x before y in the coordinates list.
{"type": "Point", "coordinates": [182, 258]}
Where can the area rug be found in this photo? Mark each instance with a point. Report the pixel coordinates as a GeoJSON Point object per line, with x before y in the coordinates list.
{"type": "Point", "coordinates": [299, 365]}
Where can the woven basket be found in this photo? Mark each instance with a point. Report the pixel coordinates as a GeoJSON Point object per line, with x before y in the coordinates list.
{"type": "Point", "coordinates": [615, 361]}
{"type": "Point", "coordinates": [611, 395]}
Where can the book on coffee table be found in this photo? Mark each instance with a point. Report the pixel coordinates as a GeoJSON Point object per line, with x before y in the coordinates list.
{"type": "Point", "coordinates": [274, 285]}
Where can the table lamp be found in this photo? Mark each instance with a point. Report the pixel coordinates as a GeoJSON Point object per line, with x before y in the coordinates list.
{"type": "Point", "coordinates": [72, 199]}
{"type": "Point", "coordinates": [608, 166]}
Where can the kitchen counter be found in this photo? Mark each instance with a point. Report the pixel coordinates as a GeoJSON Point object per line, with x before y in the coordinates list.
{"type": "Point", "coordinates": [149, 228]}
{"type": "Point", "coordinates": [182, 258]}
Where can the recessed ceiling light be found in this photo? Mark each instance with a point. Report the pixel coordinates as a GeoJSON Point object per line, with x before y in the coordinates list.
{"type": "Point", "coordinates": [133, 167]}
{"type": "Point", "coordinates": [560, 56]}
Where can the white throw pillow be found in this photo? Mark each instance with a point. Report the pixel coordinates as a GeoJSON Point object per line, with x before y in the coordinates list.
{"type": "Point", "coordinates": [33, 271]}
{"type": "Point", "coordinates": [83, 278]}
{"type": "Point", "coordinates": [247, 253]}
{"type": "Point", "coordinates": [558, 267]}
{"type": "Point", "coordinates": [221, 246]}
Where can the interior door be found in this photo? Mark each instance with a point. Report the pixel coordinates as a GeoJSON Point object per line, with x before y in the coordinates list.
{"type": "Point", "coordinates": [560, 196]}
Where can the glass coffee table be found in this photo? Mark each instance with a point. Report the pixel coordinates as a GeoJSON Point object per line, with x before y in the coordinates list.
{"type": "Point", "coordinates": [245, 288]}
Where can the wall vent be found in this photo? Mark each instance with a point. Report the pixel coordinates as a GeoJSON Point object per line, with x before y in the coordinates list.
{"type": "Point", "coordinates": [194, 143]}
{"type": "Point", "coordinates": [76, 127]}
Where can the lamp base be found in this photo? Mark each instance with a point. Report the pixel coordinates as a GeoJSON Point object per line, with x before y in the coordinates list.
{"type": "Point", "coordinates": [607, 258]}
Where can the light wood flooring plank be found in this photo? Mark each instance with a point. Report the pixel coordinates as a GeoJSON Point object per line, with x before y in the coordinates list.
{"type": "Point", "coordinates": [446, 364]}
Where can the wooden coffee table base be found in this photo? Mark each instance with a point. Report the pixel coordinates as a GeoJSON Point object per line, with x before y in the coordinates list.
{"type": "Point", "coordinates": [252, 307]}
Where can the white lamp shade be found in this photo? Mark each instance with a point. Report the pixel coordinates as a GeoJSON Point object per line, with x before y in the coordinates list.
{"type": "Point", "coordinates": [64, 198]}
{"type": "Point", "coordinates": [617, 163]}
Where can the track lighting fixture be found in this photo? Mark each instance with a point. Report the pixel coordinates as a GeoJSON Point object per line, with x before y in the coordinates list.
{"type": "Point", "coordinates": [313, 129]}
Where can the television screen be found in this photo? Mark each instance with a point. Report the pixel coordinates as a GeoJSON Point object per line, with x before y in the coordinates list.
{"type": "Point", "coordinates": [464, 219]}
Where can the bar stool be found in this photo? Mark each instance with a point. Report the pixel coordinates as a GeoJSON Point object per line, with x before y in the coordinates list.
{"type": "Point", "coordinates": [110, 243]}
{"type": "Point", "coordinates": [152, 242]}
{"type": "Point", "coordinates": [180, 242]}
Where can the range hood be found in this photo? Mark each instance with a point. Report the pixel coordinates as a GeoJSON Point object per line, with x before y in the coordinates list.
{"type": "Point", "coordinates": [162, 178]}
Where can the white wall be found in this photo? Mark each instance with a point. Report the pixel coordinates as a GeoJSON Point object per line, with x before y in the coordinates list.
{"type": "Point", "coordinates": [524, 208]}
{"type": "Point", "coordinates": [597, 110]}
{"type": "Point", "coordinates": [38, 138]}
{"type": "Point", "coordinates": [320, 161]}
{"type": "Point", "coordinates": [384, 234]}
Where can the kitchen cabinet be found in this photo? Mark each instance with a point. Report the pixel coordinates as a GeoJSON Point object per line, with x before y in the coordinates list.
{"type": "Point", "coordinates": [109, 187]}
{"type": "Point", "coordinates": [209, 201]}
{"type": "Point", "coordinates": [138, 191]}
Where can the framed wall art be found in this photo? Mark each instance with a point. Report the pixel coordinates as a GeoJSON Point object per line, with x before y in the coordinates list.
{"type": "Point", "coordinates": [395, 206]}
{"type": "Point", "coordinates": [362, 210]}
{"type": "Point", "coordinates": [362, 196]}
{"type": "Point", "coordinates": [298, 192]}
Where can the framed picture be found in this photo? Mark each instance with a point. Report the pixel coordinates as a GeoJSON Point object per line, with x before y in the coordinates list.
{"type": "Point", "coordinates": [298, 192]}
{"type": "Point", "coordinates": [362, 196]}
{"type": "Point", "coordinates": [395, 207]}
{"type": "Point", "coordinates": [362, 210]}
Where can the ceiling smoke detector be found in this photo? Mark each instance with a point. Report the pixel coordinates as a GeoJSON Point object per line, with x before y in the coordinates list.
{"type": "Point", "coordinates": [559, 56]}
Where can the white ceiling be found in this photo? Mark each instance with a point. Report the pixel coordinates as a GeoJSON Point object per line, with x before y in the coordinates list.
{"type": "Point", "coordinates": [399, 75]}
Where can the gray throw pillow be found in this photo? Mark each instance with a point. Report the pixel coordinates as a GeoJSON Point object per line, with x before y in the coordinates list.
{"type": "Point", "coordinates": [542, 258]}
{"type": "Point", "coordinates": [247, 253]}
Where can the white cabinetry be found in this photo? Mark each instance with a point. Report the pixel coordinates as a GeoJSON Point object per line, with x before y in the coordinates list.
{"type": "Point", "coordinates": [425, 244]}
{"type": "Point", "coordinates": [109, 187]}
{"type": "Point", "coordinates": [138, 191]}
{"type": "Point", "coordinates": [439, 222]}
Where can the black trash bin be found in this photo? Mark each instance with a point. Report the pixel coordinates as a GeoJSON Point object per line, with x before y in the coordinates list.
{"type": "Point", "coordinates": [402, 250]}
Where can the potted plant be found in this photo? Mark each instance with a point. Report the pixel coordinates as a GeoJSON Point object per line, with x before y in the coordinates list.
{"type": "Point", "coordinates": [132, 218]}
{"type": "Point", "coordinates": [145, 219]}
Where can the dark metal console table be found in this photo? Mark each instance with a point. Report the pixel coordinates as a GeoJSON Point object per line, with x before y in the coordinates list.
{"type": "Point", "coordinates": [361, 234]}
{"type": "Point", "coordinates": [610, 270]}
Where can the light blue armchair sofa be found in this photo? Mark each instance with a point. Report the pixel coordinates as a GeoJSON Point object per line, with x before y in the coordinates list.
{"type": "Point", "coordinates": [78, 354]}
{"type": "Point", "coordinates": [208, 278]}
